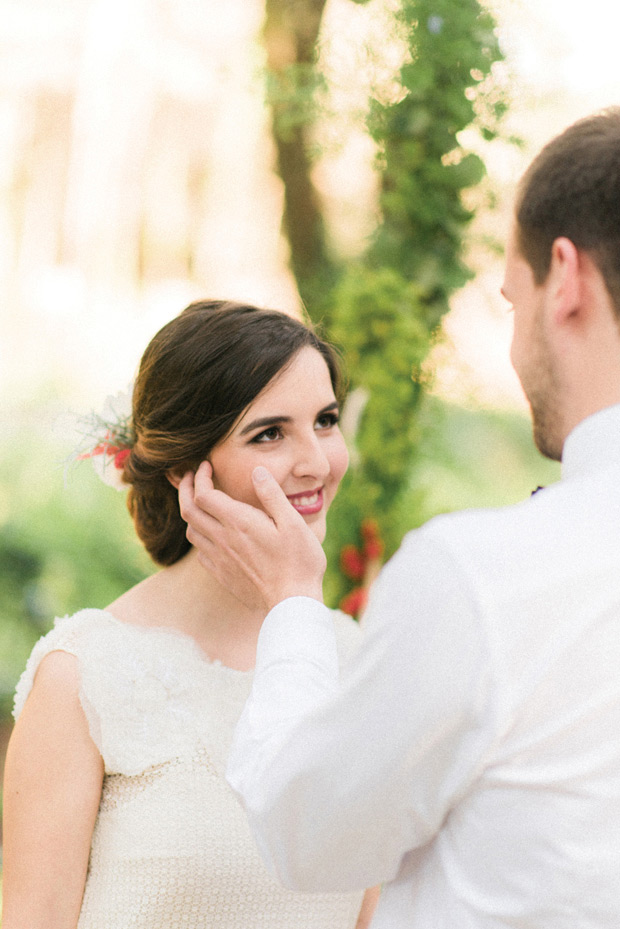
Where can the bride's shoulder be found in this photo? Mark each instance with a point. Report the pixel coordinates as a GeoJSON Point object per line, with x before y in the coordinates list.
{"type": "Point", "coordinates": [71, 631]}
{"type": "Point", "coordinates": [74, 635]}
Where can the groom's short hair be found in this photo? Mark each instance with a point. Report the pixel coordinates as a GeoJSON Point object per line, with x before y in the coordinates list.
{"type": "Point", "coordinates": [572, 189]}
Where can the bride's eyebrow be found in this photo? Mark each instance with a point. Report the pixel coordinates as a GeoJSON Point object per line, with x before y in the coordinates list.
{"type": "Point", "coordinates": [267, 421]}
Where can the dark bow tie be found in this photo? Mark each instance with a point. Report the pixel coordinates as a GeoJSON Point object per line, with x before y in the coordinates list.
{"type": "Point", "coordinates": [536, 491]}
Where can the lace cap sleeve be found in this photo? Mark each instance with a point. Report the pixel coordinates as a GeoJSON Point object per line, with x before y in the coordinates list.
{"type": "Point", "coordinates": [133, 698]}
{"type": "Point", "coordinates": [65, 637]}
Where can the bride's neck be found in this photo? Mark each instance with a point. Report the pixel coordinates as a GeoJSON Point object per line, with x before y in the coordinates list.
{"type": "Point", "coordinates": [188, 598]}
{"type": "Point", "coordinates": [200, 594]}
{"type": "Point", "coordinates": [208, 607]}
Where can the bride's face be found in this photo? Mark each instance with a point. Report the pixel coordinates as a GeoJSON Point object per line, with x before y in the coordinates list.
{"type": "Point", "coordinates": [292, 429]}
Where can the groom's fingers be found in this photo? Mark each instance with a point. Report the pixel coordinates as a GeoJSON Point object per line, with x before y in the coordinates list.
{"type": "Point", "coordinates": [190, 507]}
{"type": "Point", "coordinates": [203, 503]}
{"type": "Point", "coordinates": [186, 493]}
{"type": "Point", "coordinates": [271, 496]}
{"type": "Point", "coordinates": [204, 476]}
{"type": "Point", "coordinates": [209, 512]}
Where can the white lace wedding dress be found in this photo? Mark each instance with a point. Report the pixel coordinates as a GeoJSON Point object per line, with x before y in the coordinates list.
{"type": "Point", "coordinates": [171, 847]}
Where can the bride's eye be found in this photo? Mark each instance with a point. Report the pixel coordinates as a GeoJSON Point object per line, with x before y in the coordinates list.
{"type": "Point", "coordinates": [327, 420]}
{"type": "Point", "coordinates": [268, 435]}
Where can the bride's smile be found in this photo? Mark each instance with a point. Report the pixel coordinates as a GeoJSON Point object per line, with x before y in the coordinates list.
{"type": "Point", "coordinates": [307, 503]}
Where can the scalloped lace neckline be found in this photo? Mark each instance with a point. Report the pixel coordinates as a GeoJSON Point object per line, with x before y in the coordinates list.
{"type": "Point", "coordinates": [181, 637]}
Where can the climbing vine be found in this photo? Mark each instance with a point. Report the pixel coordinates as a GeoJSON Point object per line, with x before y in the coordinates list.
{"type": "Point", "coordinates": [384, 310]}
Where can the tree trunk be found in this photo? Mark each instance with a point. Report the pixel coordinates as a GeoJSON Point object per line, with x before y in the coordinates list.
{"type": "Point", "coordinates": [291, 32]}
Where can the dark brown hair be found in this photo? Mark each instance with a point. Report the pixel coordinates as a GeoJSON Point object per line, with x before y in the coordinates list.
{"type": "Point", "coordinates": [572, 189]}
{"type": "Point", "coordinates": [196, 377]}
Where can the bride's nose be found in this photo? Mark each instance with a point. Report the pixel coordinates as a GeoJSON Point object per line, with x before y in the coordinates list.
{"type": "Point", "coordinates": [310, 458]}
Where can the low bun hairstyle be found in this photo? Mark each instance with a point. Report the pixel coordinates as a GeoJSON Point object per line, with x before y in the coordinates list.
{"type": "Point", "coordinates": [196, 377]}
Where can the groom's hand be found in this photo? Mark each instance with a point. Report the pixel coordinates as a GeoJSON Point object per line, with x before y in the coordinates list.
{"type": "Point", "coordinates": [261, 556]}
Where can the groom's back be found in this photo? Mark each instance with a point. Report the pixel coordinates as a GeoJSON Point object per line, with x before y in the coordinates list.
{"type": "Point", "coordinates": [536, 838]}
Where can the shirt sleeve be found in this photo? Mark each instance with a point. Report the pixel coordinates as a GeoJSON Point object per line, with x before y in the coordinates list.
{"type": "Point", "coordinates": [341, 778]}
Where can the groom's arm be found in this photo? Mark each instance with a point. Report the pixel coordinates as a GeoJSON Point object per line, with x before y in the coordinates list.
{"type": "Point", "coordinates": [341, 778]}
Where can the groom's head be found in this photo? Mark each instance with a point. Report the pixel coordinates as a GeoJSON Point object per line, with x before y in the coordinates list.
{"type": "Point", "coordinates": [563, 278]}
{"type": "Point", "coordinates": [572, 189]}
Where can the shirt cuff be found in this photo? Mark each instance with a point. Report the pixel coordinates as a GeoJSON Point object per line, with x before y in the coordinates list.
{"type": "Point", "coordinates": [298, 628]}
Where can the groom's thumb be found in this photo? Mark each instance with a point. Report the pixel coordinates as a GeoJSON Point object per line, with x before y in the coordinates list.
{"type": "Point", "coordinates": [270, 494]}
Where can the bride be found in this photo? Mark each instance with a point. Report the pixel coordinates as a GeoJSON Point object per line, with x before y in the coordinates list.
{"type": "Point", "coordinates": [116, 810]}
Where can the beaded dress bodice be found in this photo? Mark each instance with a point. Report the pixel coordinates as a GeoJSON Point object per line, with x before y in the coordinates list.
{"type": "Point", "coordinates": [171, 847]}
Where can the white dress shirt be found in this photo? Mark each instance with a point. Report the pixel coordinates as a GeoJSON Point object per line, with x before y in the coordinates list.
{"type": "Point", "coordinates": [469, 756]}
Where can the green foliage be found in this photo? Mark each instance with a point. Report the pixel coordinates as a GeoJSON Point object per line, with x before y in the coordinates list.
{"type": "Point", "coordinates": [476, 458]}
{"type": "Point", "coordinates": [385, 312]}
{"type": "Point", "coordinates": [293, 93]}
{"type": "Point", "coordinates": [424, 167]}
{"type": "Point", "coordinates": [64, 545]}
{"type": "Point", "coordinates": [380, 322]}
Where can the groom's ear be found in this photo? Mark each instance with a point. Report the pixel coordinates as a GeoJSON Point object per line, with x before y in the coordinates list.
{"type": "Point", "coordinates": [565, 280]}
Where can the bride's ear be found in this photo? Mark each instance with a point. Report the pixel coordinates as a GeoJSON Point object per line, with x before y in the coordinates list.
{"type": "Point", "coordinates": [174, 478]}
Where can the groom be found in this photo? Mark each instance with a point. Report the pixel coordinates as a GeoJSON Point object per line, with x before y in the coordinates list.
{"type": "Point", "coordinates": [469, 759]}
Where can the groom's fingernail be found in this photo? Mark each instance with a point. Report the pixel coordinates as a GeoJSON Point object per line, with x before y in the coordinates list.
{"type": "Point", "coordinates": [260, 474]}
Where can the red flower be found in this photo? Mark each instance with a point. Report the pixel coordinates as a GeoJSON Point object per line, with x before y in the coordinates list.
{"type": "Point", "coordinates": [100, 449]}
{"type": "Point", "coordinates": [370, 529]}
{"type": "Point", "coordinates": [373, 543]}
{"type": "Point", "coordinates": [352, 562]}
{"type": "Point", "coordinates": [121, 457]}
{"type": "Point", "coordinates": [373, 549]}
{"type": "Point", "coordinates": [354, 602]}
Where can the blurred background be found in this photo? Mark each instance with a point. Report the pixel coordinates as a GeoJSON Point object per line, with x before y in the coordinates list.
{"type": "Point", "coordinates": [356, 160]}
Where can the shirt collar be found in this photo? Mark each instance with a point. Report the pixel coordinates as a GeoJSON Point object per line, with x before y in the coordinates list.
{"type": "Point", "coordinates": [592, 443]}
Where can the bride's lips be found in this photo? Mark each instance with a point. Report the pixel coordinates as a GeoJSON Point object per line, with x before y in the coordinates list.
{"type": "Point", "coordinates": [308, 502]}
